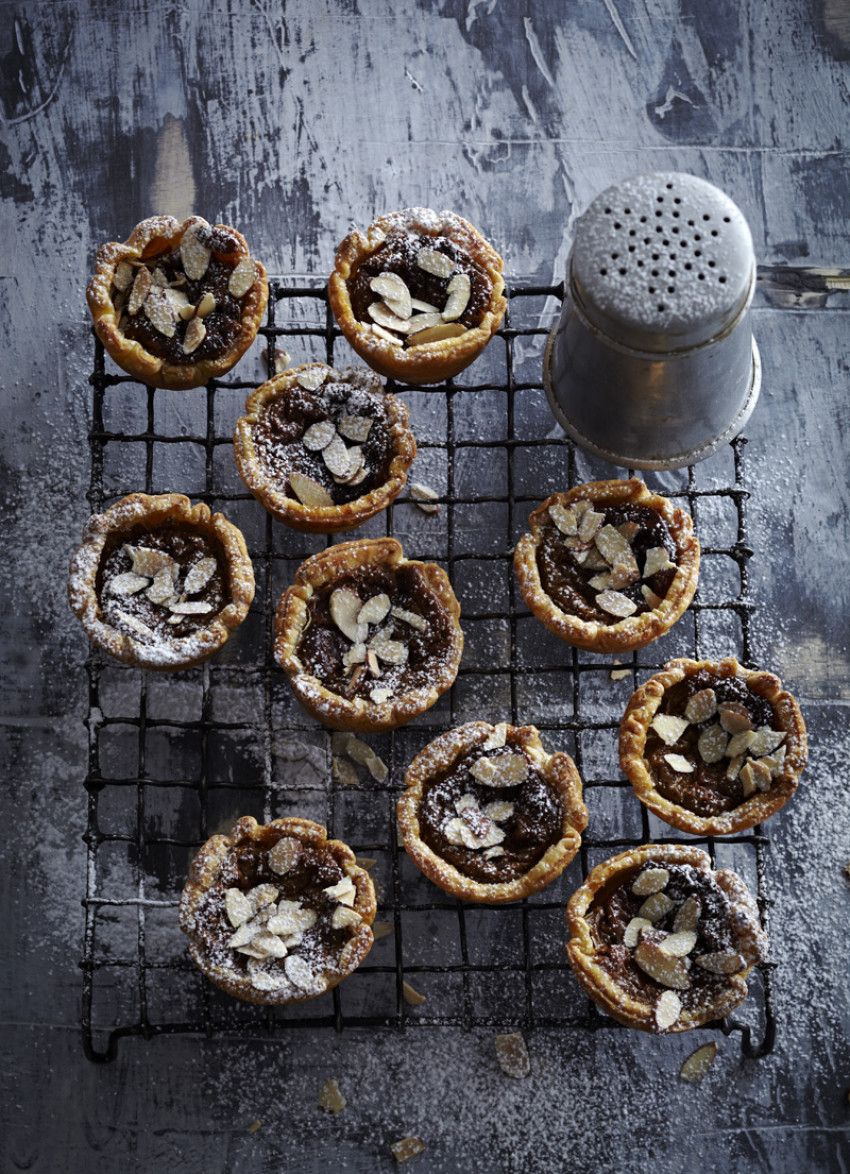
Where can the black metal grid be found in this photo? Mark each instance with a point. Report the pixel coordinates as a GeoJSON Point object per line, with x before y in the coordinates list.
{"type": "Point", "coordinates": [174, 758]}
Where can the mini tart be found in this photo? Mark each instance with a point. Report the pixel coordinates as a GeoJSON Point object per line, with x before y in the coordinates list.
{"type": "Point", "coordinates": [713, 748]}
{"type": "Point", "coordinates": [608, 566]}
{"type": "Point", "coordinates": [324, 450]}
{"type": "Point", "coordinates": [177, 304]}
{"type": "Point", "coordinates": [277, 913]}
{"type": "Point", "coordinates": [660, 941]}
{"type": "Point", "coordinates": [488, 815]}
{"type": "Point", "coordinates": [453, 276]}
{"type": "Point", "coordinates": [159, 583]}
{"type": "Point", "coordinates": [368, 638]}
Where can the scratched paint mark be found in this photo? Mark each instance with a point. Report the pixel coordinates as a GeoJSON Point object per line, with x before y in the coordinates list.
{"type": "Point", "coordinates": [173, 187]}
{"type": "Point", "coordinates": [471, 13]}
{"type": "Point", "coordinates": [536, 51]}
{"type": "Point", "coordinates": [416, 85]}
{"type": "Point", "coordinates": [529, 105]}
{"type": "Point", "coordinates": [24, 88]}
{"type": "Point", "coordinates": [620, 27]}
{"type": "Point", "coordinates": [669, 98]}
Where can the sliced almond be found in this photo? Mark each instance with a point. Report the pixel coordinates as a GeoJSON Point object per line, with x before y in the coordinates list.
{"type": "Point", "coordinates": [765, 741]}
{"type": "Point", "coordinates": [394, 291]}
{"type": "Point", "coordinates": [651, 880]}
{"type": "Point", "coordinates": [345, 606]}
{"type": "Point", "coordinates": [300, 974]}
{"type": "Point", "coordinates": [497, 739]}
{"type": "Point", "coordinates": [734, 717]}
{"type": "Point", "coordinates": [664, 968]}
{"type": "Point", "coordinates": [127, 583]}
{"type": "Point", "coordinates": [564, 518]}
{"type": "Point", "coordinates": [669, 728]}
{"type": "Point", "coordinates": [337, 457]}
{"type": "Point", "coordinates": [711, 744]}
{"type": "Point", "coordinates": [330, 1098]}
{"type": "Point", "coordinates": [499, 811]}
{"type": "Point", "coordinates": [698, 1063]}
{"type": "Point", "coordinates": [141, 289]}
{"type": "Point", "coordinates": [262, 895]}
{"type": "Point", "coordinates": [389, 651]}
{"type": "Point", "coordinates": [135, 625]}
{"type": "Point", "coordinates": [775, 762]}
{"type": "Point", "coordinates": [205, 306]}
{"type": "Point", "coordinates": [343, 891]}
{"type": "Point", "coordinates": [160, 312]}
{"type": "Point", "coordinates": [458, 290]}
{"type": "Point", "coordinates": [188, 607]}
{"type": "Point", "coordinates": [739, 743]}
{"type": "Point", "coordinates": [425, 497]}
{"type": "Point", "coordinates": [374, 610]}
{"type": "Point", "coordinates": [504, 771]}
{"type": "Point", "coordinates": [679, 763]}
{"type": "Point", "coordinates": [381, 694]}
{"type": "Point", "coordinates": [590, 524]}
{"type": "Point", "coordinates": [162, 588]}
{"type": "Point", "coordinates": [372, 663]}
{"type": "Point", "coordinates": [435, 263]}
{"type": "Point", "coordinates": [755, 776]}
{"type": "Point", "coordinates": [601, 582]}
{"type": "Point", "coordinates": [285, 854]}
{"type": "Point", "coordinates": [343, 917]}
{"type": "Point", "coordinates": [147, 561]}
{"type": "Point", "coordinates": [363, 754]}
{"type": "Point", "coordinates": [186, 312]}
{"type": "Point", "coordinates": [123, 275]}
{"type": "Point", "coordinates": [243, 277]}
{"type": "Point", "coordinates": [512, 1054]}
{"type": "Point", "coordinates": [734, 767]}
{"type": "Point", "coordinates": [355, 428]}
{"type": "Point", "coordinates": [194, 256]}
{"type": "Point", "coordinates": [198, 575]}
{"type": "Point", "coordinates": [344, 773]}
{"type": "Point", "coordinates": [425, 307]}
{"type": "Point", "coordinates": [687, 915]}
{"type": "Point", "coordinates": [195, 334]}
{"type": "Point", "coordinates": [407, 1147]}
{"type": "Point", "coordinates": [410, 617]}
{"type": "Point", "coordinates": [312, 377]}
{"type": "Point", "coordinates": [667, 1010]}
{"type": "Point", "coordinates": [383, 316]}
{"type": "Point", "coordinates": [630, 531]}
{"type": "Point", "coordinates": [748, 782]}
{"type": "Point", "coordinates": [393, 339]}
{"type": "Point", "coordinates": [656, 906]}
{"type": "Point", "coordinates": [616, 604]}
{"type": "Point", "coordinates": [679, 944]}
{"type": "Point", "coordinates": [412, 997]}
{"type": "Point", "coordinates": [632, 932]}
{"type": "Point", "coordinates": [238, 907]}
{"type": "Point", "coordinates": [291, 918]}
{"type": "Point", "coordinates": [649, 595]}
{"type": "Point", "coordinates": [319, 435]}
{"type": "Point", "coordinates": [617, 553]}
{"type": "Point", "coordinates": [381, 930]}
{"type": "Point", "coordinates": [436, 333]}
{"type": "Point", "coordinates": [720, 962]}
{"type": "Point", "coordinates": [268, 945]}
{"type": "Point", "coordinates": [701, 706]}
{"type": "Point", "coordinates": [657, 559]}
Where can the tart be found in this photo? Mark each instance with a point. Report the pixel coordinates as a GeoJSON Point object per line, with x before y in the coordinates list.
{"type": "Point", "coordinates": [608, 566]}
{"type": "Point", "coordinates": [277, 913]}
{"type": "Point", "coordinates": [324, 450]}
{"type": "Point", "coordinates": [713, 748]}
{"type": "Point", "coordinates": [488, 815]}
{"type": "Point", "coordinates": [418, 296]}
{"type": "Point", "coordinates": [177, 304]}
{"type": "Point", "coordinates": [159, 583]}
{"type": "Point", "coordinates": [660, 941]}
{"type": "Point", "coordinates": [368, 638]}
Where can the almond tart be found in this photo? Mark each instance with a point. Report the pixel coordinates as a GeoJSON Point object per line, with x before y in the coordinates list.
{"type": "Point", "coordinates": [277, 913]}
{"type": "Point", "coordinates": [660, 941]}
{"type": "Point", "coordinates": [177, 304]}
{"type": "Point", "coordinates": [488, 815]}
{"type": "Point", "coordinates": [159, 583]}
{"type": "Point", "coordinates": [713, 748]}
{"type": "Point", "coordinates": [608, 566]}
{"type": "Point", "coordinates": [419, 295]}
{"type": "Point", "coordinates": [368, 638]}
{"type": "Point", "coordinates": [324, 450]}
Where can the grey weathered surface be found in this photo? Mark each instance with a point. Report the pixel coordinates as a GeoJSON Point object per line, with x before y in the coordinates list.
{"type": "Point", "coordinates": [291, 121]}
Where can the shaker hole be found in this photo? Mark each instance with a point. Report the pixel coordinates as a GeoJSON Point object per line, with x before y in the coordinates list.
{"type": "Point", "coordinates": [622, 272]}
{"type": "Point", "coordinates": [651, 289]}
{"type": "Point", "coordinates": [722, 279]}
{"type": "Point", "coordinates": [603, 272]}
{"type": "Point", "coordinates": [671, 289]}
{"type": "Point", "coordinates": [706, 216]}
{"type": "Point", "coordinates": [661, 307]}
{"type": "Point", "coordinates": [701, 276]}
{"type": "Point", "coordinates": [727, 219]}
{"type": "Point", "coordinates": [617, 224]}
{"type": "Point", "coordinates": [712, 264]}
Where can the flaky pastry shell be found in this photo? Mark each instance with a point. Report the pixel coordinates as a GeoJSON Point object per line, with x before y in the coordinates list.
{"type": "Point", "coordinates": [271, 493]}
{"type": "Point", "coordinates": [633, 631]}
{"type": "Point", "coordinates": [437, 758]}
{"type": "Point", "coordinates": [151, 512]}
{"type": "Point", "coordinates": [642, 708]}
{"type": "Point", "coordinates": [432, 362]}
{"type": "Point", "coordinates": [204, 872]}
{"type": "Point", "coordinates": [150, 239]}
{"type": "Point", "coordinates": [601, 986]}
{"type": "Point", "coordinates": [292, 615]}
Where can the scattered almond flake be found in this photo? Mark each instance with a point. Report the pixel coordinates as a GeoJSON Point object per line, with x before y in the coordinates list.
{"type": "Point", "coordinates": [356, 654]}
{"type": "Point", "coordinates": [319, 435]}
{"type": "Point", "coordinates": [343, 917]}
{"type": "Point", "coordinates": [591, 559]}
{"type": "Point", "coordinates": [667, 1010]}
{"type": "Point", "coordinates": [355, 478]}
{"type": "Point", "coordinates": [774, 762]}
{"type": "Point", "coordinates": [410, 617]}
{"type": "Point", "coordinates": [250, 951]}
{"type": "Point", "coordinates": [669, 728]}
{"type": "Point", "coordinates": [122, 276]}
{"type": "Point", "coordinates": [291, 918]}
{"type": "Point", "coordinates": [496, 740]}
{"type": "Point", "coordinates": [345, 606]}
{"type": "Point", "coordinates": [512, 1054]}
{"type": "Point", "coordinates": [186, 312]}
{"type": "Point", "coordinates": [504, 771]}
{"type": "Point", "coordinates": [383, 316]}
{"type": "Point", "coordinates": [342, 891]}
{"type": "Point", "coordinates": [337, 457]}
{"type": "Point", "coordinates": [365, 862]}
{"type": "Point", "coordinates": [408, 1147]}
{"type": "Point", "coordinates": [616, 604]}
{"type": "Point", "coordinates": [458, 832]}
{"type": "Point", "coordinates": [492, 853]}
{"type": "Point", "coordinates": [630, 530]}
{"type": "Point", "coordinates": [734, 717]}
{"type": "Point", "coordinates": [711, 743]}
{"type": "Point", "coordinates": [426, 307]}
{"type": "Point", "coordinates": [372, 662]}
{"type": "Point", "coordinates": [194, 256]}
{"type": "Point", "coordinates": [739, 743]}
{"type": "Point", "coordinates": [141, 289]}
{"type": "Point", "coordinates": [363, 754]}
{"type": "Point", "coordinates": [651, 880]}
{"type": "Point", "coordinates": [195, 334]}
{"type": "Point", "coordinates": [374, 610]}
{"type": "Point", "coordinates": [245, 933]}
{"type": "Point", "coordinates": [198, 575]}
{"type": "Point", "coordinates": [253, 1128]}
{"type": "Point", "coordinates": [649, 595]}
{"type": "Point", "coordinates": [136, 625]}
{"type": "Point", "coordinates": [434, 262]}
{"type": "Point", "coordinates": [299, 973]}
{"type": "Point", "coordinates": [721, 962]}
{"type": "Point", "coordinates": [162, 588]}
{"type": "Point", "coordinates": [206, 305]}
{"type": "Point", "coordinates": [657, 559]}
{"type": "Point", "coordinates": [616, 551]}
{"type": "Point", "coordinates": [242, 277]}
{"type": "Point", "coordinates": [190, 608]}
{"type": "Point", "coordinates": [344, 773]}
{"type": "Point", "coordinates": [147, 561]}
{"type": "Point", "coordinates": [390, 651]}
{"type": "Point", "coordinates": [458, 290]}
{"type": "Point", "coordinates": [679, 944]}
{"type": "Point", "coordinates": [589, 526]}
{"type": "Point", "coordinates": [281, 361]}
{"type": "Point", "coordinates": [127, 583]}
{"type": "Point", "coordinates": [425, 497]}
{"type": "Point", "coordinates": [386, 336]}
{"type": "Point", "coordinates": [356, 428]}
{"type": "Point", "coordinates": [262, 895]}
{"type": "Point", "coordinates": [698, 1063]}
{"type": "Point", "coordinates": [748, 782]}
{"type": "Point", "coordinates": [632, 932]}
{"type": "Point", "coordinates": [436, 333]}
{"type": "Point", "coordinates": [268, 945]}
{"type": "Point", "coordinates": [238, 907]}
{"type": "Point", "coordinates": [765, 741]}
{"type": "Point", "coordinates": [178, 301]}
{"type": "Point", "coordinates": [679, 763]}
{"type": "Point", "coordinates": [734, 767]}
{"type": "Point", "coordinates": [701, 706]}
{"type": "Point", "coordinates": [760, 774]}
{"type": "Point", "coordinates": [564, 518]}
{"type": "Point", "coordinates": [393, 289]}
{"type": "Point", "coordinates": [601, 582]}
{"type": "Point", "coordinates": [656, 906]}
{"type": "Point", "coordinates": [285, 854]}
{"type": "Point", "coordinates": [312, 377]}
{"type": "Point", "coordinates": [412, 997]}
{"type": "Point", "coordinates": [381, 930]}
{"type": "Point", "coordinates": [662, 967]}
{"type": "Point", "coordinates": [499, 811]}
{"type": "Point", "coordinates": [687, 915]}
{"type": "Point", "coordinates": [331, 1099]}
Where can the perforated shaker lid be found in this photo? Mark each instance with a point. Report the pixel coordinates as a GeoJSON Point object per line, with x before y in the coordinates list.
{"type": "Point", "coordinates": [663, 262]}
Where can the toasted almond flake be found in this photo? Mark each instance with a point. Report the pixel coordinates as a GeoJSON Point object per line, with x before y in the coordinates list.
{"type": "Point", "coordinates": [698, 1063]}
{"type": "Point", "coordinates": [337, 457]}
{"type": "Point", "coordinates": [356, 428]}
{"type": "Point", "coordinates": [160, 312]}
{"type": "Point", "coordinates": [345, 606]}
{"type": "Point", "coordinates": [178, 300]}
{"type": "Point", "coordinates": [667, 1010]}
{"type": "Point", "coordinates": [161, 589]}
{"type": "Point", "coordinates": [189, 607]}
{"type": "Point", "coordinates": [679, 944]}
{"type": "Point", "coordinates": [381, 694]}
{"type": "Point", "coordinates": [389, 651]}
{"type": "Point", "coordinates": [497, 739]}
{"type": "Point", "coordinates": [135, 625]}
{"type": "Point", "coordinates": [426, 307]}
{"type": "Point", "coordinates": [565, 518]}
{"type": "Point", "coordinates": [312, 377]}
{"type": "Point", "coordinates": [656, 906]}
{"type": "Point", "coordinates": [616, 604]}
{"type": "Point", "coordinates": [748, 782]}
{"type": "Point", "coordinates": [342, 890]}
{"type": "Point", "coordinates": [687, 915]}
{"type": "Point", "coordinates": [721, 962]}
{"type": "Point", "coordinates": [253, 1128]}
{"type": "Point", "coordinates": [356, 654]}
{"type": "Point", "coordinates": [198, 575]}
{"type": "Point", "coordinates": [299, 973]}
{"type": "Point", "coordinates": [765, 741]}
{"type": "Point", "coordinates": [651, 880]}
{"type": "Point", "coordinates": [238, 907]}
{"type": "Point", "coordinates": [669, 728]}
{"type": "Point", "coordinates": [291, 919]}
{"type": "Point", "coordinates": [425, 497]}
{"type": "Point", "coordinates": [262, 895]}
{"type": "Point", "coordinates": [383, 316]}
{"type": "Point", "coordinates": [330, 1098]}
{"type": "Point", "coordinates": [506, 770]}
{"type": "Point", "coordinates": [393, 339]}
{"type": "Point", "coordinates": [590, 559]}
{"type": "Point", "coordinates": [141, 289]}
{"type": "Point", "coordinates": [372, 662]}
{"type": "Point", "coordinates": [437, 333]}
{"type": "Point", "coordinates": [374, 610]}
{"type": "Point", "coordinates": [206, 305]}
{"type": "Point", "coordinates": [285, 854]}
{"type": "Point", "coordinates": [243, 277]}
{"type": "Point", "coordinates": [662, 967]}
{"type": "Point", "coordinates": [123, 275]}
{"type": "Point", "coordinates": [195, 334]}
{"type": "Point", "coordinates": [412, 618]}
{"type": "Point", "coordinates": [343, 917]}
{"type": "Point", "coordinates": [381, 930]}
{"type": "Point", "coordinates": [127, 583]}
{"type": "Point", "coordinates": [734, 717]}
{"type": "Point", "coordinates": [701, 706]}
{"type": "Point", "coordinates": [186, 312]}
{"type": "Point", "coordinates": [394, 290]}
{"type": "Point", "coordinates": [590, 524]}
{"type": "Point", "coordinates": [734, 767]}
{"type": "Point", "coordinates": [344, 773]}
{"type": "Point", "coordinates": [739, 743]}
{"type": "Point", "coordinates": [407, 1147]}
{"type": "Point", "coordinates": [194, 256]}
{"type": "Point", "coordinates": [458, 290]}
{"type": "Point", "coordinates": [435, 263]}
{"type": "Point", "coordinates": [365, 862]}
{"type": "Point", "coordinates": [711, 743]}
{"type": "Point", "coordinates": [632, 932]}
{"type": "Point", "coordinates": [512, 1054]}
{"type": "Point", "coordinates": [319, 435]}
{"type": "Point", "coordinates": [269, 945]}
{"type": "Point", "coordinates": [649, 595]}
{"type": "Point", "coordinates": [758, 773]}
{"type": "Point", "coordinates": [657, 559]}
{"type": "Point", "coordinates": [774, 762]}
{"type": "Point", "coordinates": [629, 530]}
{"type": "Point", "coordinates": [679, 763]}
{"type": "Point", "coordinates": [616, 551]}
{"type": "Point", "coordinates": [360, 471]}
{"type": "Point", "coordinates": [499, 811]}
{"type": "Point", "coordinates": [601, 582]}
{"type": "Point", "coordinates": [411, 996]}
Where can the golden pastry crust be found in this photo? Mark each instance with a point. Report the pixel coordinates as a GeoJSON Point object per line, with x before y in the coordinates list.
{"type": "Point", "coordinates": [716, 999]}
{"type": "Point", "coordinates": [341, 564]}
{"type": "Point", "coordinates": [431, 362]}
{"type": "Point", "coordinates": [439, 757]}
{"type": "Point", "coordinates": [632, 631]}
{"type": "Point", "coordinates": [755, 808]}
{"type": "Point", "coordinates": [273, 491]}
{"type": "Point", "coordinates": [221, 964]}
{"type": "Point", "coordinates": [109, 293]}
{"type": "Point", "coordinates": [133, 644]}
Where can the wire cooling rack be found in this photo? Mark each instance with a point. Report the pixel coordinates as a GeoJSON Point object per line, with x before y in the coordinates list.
{"type": "Point", "coordinates": [174, 758]}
